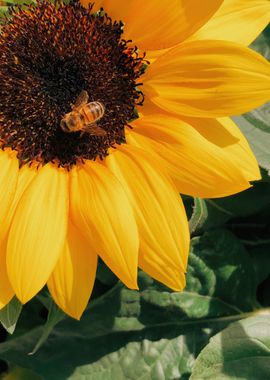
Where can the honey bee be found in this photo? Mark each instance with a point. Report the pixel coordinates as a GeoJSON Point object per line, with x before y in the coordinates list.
{"type": "Point", "coordinates": [83, 116]}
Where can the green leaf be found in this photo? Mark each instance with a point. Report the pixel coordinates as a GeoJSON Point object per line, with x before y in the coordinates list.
{"type": "Point", "coordinates": [241, 351]}
{"type": "Point", "coordinates": [9, 315]}
{"type": "Point", "coordinates": [260, 117]}
{"type": "Point", "coordinates": [262, 44]}
{"type": "Point", "coordinates": [199, 216]}
{"type": "Point", "coordinates": [133, 334]}
{"type": "Point", "coordinates": [259, 141]}
{"type": "Point", "coordinates": [105, 275]}
{"type": "Point", "coordinates": [232, 268]}
{"type": "Point", "coordinates": [168, 358]}
{"type": "Point", "coordinates": [55, 316]}
{"type": "Point", "coordinates": [167, 349]}
{"type": "Point", "coordinates": [260, 255]}
{"type": "Point", "coordinates": [222, 210]}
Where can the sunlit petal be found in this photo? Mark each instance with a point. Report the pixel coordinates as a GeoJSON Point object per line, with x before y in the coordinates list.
{"type": "Point", "coordinates": [208, 79]}
{"type": "Point", "coordinates": [225, 134]}
{"type": "Point", "coordinates": [236, 20]}
{"type": "Point", "coordinates": [160, 24]}
{"type": "Point", "coordinates": [72, 280]}
{"type": "Point", "coordinates": [102, 211]}
{"type": "Point", "coordinates": [37, 232]}
{"type": "Point", "coordinates": [159, 213]}
{"type": "Point", "coordinates": [8, 181]}
{"type": "Point", "coordinates": [6, 290]}
{"type": "Point", "coordinates": [197, 166]}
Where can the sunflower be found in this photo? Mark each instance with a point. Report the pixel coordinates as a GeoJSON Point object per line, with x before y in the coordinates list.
{"type": "Point", "coordinates": [167, 82]}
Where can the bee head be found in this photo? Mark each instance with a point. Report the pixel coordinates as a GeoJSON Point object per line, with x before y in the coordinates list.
{"type": "Point", "coordinates": [64, 125]}
{"type": "Point", "coordinates": [68, 124]}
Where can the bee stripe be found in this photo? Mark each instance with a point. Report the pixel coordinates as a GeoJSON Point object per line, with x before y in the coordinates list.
{"type": "Point", "coordinates": [88, 114]}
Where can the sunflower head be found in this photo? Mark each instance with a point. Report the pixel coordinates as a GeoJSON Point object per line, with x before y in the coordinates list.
{"type": "Point", "coordinates": [49, 53]}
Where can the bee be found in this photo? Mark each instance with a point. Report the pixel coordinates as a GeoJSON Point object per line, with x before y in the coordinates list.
{"type": "Point", "coordinates": [83, 116]}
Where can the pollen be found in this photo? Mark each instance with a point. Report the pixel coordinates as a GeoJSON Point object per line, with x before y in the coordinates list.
{"type": "Point", "coordinates": [49, 54]}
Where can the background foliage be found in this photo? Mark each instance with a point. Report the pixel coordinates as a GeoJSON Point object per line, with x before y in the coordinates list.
{"type": "Point", "coordinates": [217, 328]}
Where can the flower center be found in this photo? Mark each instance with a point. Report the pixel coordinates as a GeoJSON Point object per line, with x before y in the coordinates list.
{"type": "Point", "coordinates": [51, 54]}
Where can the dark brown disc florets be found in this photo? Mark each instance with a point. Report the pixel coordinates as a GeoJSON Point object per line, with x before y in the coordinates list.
{"type": "Point", "coordinates": [49, 53]}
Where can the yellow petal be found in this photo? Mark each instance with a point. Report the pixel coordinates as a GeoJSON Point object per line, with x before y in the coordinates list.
{"type": "Point", "coordinates": [25, 177]}
{"type": "Point", "coordinates": [208, 79]}
{"type": "Point", "coordinates": [160, 215]}
{"type": "Point", "coordinates": [37, 232]}
{"type": "Point", "coordinates": [197, 166]}
{"type": "Point", "coordinates": [101, 210]}
{"type": "Point", "coordinates": [153, 55]}
{"type": "Point", "coordinates": [225, 134]}
{"type": "Point", "coordinates": [156, 24]}
{"type": "Point", "coordinates": [6, 290]}
{"type": "Point", "coordinates": [73, 278]}
{"type": "Point", "coordinates": [236, 20]}
{"type": "Point", "coordinates": [9, 169]}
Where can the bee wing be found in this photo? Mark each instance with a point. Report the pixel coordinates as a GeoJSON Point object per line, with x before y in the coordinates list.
{"type": "Point", "coordinates": [81, 100]}
{"type": "Point", "coordinates": [94, 130]}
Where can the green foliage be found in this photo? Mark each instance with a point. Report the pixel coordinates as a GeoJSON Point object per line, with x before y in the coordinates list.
{"type": "Point", "coordinates": [222, 210]}
{"type": "Point", "coordinates": [152, 331]}
{"type": "Point", "coordinates": [241, 351]}
{"type": "Point", "coordinates": [258, 138]}
{"type": "Point", "coordinates": [55, 315]}
{"type": "Point", "coordinates": [260, 254]}
{"type": "Point", "coordinates": [9, 315]}
{"type": "Point", "coordinates": [262, 44]}
{"type": "Point", "coordinates": [199, 215]}
{"type": "Point", "coordinates": [260, 118]}
{"type": "Point", "coordinates": [256, 124]}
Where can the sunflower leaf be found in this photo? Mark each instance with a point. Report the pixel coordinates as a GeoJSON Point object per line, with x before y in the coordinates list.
{"type": "Point", "coordinates": [260, 117]}
{"type": "Point", "coordinates": [262, 44]}
{"type": "Point", "coordinates": [241, 351]}
{"type": "Point", "coordinates": [104, 275]}
{"type": "Point", "coordinates": [10, 314]}
{"type": "Point", "coordinates": [132, 334]}
{"type": "Point", "coordinates": [224, 255]}
{"type": "Point", "coordinates": [258, 139]}
{"type": "Point", "coordinates": [259, 252]}
{"type": "Point", "coordinates": [249, 202]}
{"type": "Point", "coordinates": [55, 315]}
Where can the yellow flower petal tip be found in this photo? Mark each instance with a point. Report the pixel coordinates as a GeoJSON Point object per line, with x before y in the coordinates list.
{"type": "Point", "coordinates": [237, 21]}
{"type": "Point", "coordinates": [219, 161]}
{"type": "Point", "coordinates": [111, 231]}
{"type": "Point", "coordinates": [76, 183]}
